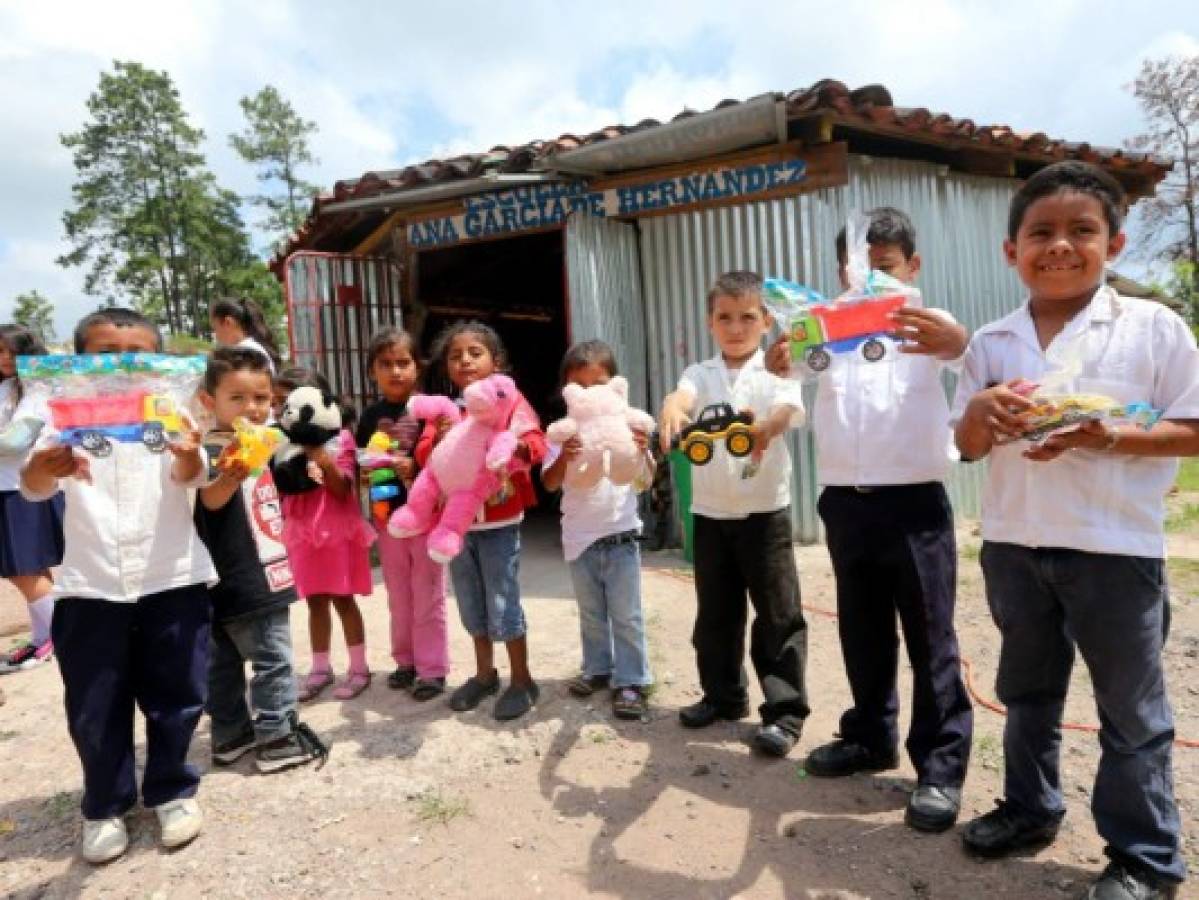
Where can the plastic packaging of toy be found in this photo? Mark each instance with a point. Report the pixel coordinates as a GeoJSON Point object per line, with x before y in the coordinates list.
{"type": "Point", "coordinates": [856, 322]}
{"type": "Point", "coordinates": [255, 444]}
{"type": "Point", "coordinates": [1055, 412]}
{"type": "Point", "coordinates": [96, 400]}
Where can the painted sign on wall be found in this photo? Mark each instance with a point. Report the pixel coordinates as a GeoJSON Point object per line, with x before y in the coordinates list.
{"type": "Point", "coordinates": [758, 176]}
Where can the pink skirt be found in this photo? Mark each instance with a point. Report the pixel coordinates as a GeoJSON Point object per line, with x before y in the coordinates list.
{"type": "Point", "coordinates": [337, 569]}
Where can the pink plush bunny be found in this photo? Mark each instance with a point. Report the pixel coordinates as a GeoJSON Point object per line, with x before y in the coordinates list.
{"type": "Point", "coordinates": [603, 420]}
{"type": "Point", "coordinates": [464, 469]}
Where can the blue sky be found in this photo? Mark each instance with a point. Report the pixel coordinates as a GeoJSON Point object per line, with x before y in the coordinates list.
{"type": "Point", "coordinates": [392, 83]}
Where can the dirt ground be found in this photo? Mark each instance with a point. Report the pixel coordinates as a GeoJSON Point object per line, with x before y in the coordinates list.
{"type": "Point", "coordinates": [418, 801]}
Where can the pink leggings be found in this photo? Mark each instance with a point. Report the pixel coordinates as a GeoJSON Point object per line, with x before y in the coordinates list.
{"type": "Point", "coordinates": [416, 598]}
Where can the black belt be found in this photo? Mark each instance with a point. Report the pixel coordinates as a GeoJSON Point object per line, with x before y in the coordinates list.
{"type": "Point", "coordinates": [615, 540]}
{"type": "Point", "coordinates": [880, 488]}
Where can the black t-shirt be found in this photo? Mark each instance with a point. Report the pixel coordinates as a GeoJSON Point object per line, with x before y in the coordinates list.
{"type": "Point", "coordinates": [244, 540]}
{"type": "Point", "coordinates": [399, 425]}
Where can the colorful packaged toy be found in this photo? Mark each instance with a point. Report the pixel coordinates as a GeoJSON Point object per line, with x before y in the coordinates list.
{"type": "Point", "coordinates": [95, 401]}
{"type": "Point", "coordinates": [377, 459]}
{"type": "Point", "coordinates": [1056, 412]}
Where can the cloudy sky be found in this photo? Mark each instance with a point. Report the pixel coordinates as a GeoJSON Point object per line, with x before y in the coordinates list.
{"type": "Point", "coordinates": [392, 83]}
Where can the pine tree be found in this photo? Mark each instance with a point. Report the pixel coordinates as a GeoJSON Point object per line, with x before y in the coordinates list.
{"type": "Point", "coordinates": [276, 140]}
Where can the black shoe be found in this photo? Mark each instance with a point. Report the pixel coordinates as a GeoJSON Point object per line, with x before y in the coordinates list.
{"type": "Point", "coordinates": [774, 740]}
{"type": "Point", "coordinates": [472, 692]}
{"type": "Point", "coordinates": [1007, 828]}
{"type": "Point", "coordinates": [402, 678]}
{"type": "Point", "coordinates": [516, 701]}
{"type": "Point", "coordinates": [933, 808]}
{"type": "Point", "coordinates": [841, 757]}
{"type": "Point", "coordinates": [1120, 881]}
{"type": "Point", "coordinates": [703, 714]}
{"type": "Point", "coordinates": [229, 752]}
{"type": "Point", "coordinates": [301, 746]}
{"type": "Point", "coordinates": [424, 689]}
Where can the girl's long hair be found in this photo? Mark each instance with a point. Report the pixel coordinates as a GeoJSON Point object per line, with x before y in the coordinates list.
{"type": "Point", "coordinates": [20, 341]}
{"type": "Point", "coordinates": [249, 316]}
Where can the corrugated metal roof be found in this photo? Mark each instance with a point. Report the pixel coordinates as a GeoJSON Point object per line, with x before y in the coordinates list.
{"type": "Point", "coordinates": [861, 113]}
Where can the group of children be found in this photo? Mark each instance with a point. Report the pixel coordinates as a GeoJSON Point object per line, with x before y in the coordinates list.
{"type": "Point", "coordinates": [1072, 556]}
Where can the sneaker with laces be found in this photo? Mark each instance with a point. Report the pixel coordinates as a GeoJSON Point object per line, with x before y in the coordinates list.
{"type": "Point", "coordinates": [1121, 881]}
{"type": "Point", "coordinates": [180, 821]}
{"type": "Point", "coordinates": [28, 656]}
{"type": "Point", "coordinates": [229, 752]}
{"type": "Point", "coordinates": [301, 746]}
{"type": "Point", "coordinates": [104, 839]}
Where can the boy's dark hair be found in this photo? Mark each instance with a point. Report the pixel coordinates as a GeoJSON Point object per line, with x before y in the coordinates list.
{"type": "Point", "coordinates": [225, 360]}
{"type": "Point", "coordinates": [588, 353]}
{"type": "Point", "coordinates": [439, 381]}
{"type": "Point", "coordinates": [118, 316]}
{"type": "Point", "coordinates": [888, 225]}
{"type": "Point", "coordinates": [1079, 177]}
{"type": "Point", "coordinates": [250, 317]}
{"type": "Point", "coordinates": [386, 338]}
{"type": "Point", "coordinates": [734, 284]}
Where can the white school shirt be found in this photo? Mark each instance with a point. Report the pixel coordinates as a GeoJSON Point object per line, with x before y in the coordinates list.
{"type": "Point", "coordinates": [885, 422]}
{"type": "Point", "coordinates": [1099, 502]}
{"type": "Point", "coordinates": [10, 465]}
{"type": "Point", "coordinates": [718, 489]}
{"type": "Point", "coordinates": [589, 514]}
{"type": "Point", "coordinates": [129, 533]}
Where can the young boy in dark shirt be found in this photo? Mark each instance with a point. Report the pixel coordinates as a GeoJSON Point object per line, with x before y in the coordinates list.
{"type": "Point", "coordinates": [240, 521]}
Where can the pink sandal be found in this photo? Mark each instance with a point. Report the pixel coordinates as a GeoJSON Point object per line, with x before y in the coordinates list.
{"type": "Point", "coordinates": [314, 684]}
{"type": "Point", "coordinates": [355, 684]}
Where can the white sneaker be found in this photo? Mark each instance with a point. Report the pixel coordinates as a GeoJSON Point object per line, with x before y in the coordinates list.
{"type": "Point", "coordinates": [104, 839]}
{"type": "Point", "coordinates": [180, 821]}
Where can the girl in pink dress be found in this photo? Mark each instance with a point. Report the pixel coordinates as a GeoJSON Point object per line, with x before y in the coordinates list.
{"type": "Point", "coordinates": [328, 544]}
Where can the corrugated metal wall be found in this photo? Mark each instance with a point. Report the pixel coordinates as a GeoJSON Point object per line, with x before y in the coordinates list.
{"type": "Point", "coordinates": [960, 220]}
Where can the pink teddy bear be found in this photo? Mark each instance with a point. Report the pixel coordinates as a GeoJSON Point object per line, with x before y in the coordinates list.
{"type": "Point", "coordinates": [602, 419]}
{"type": "Point", "coordinates": [465, 469]}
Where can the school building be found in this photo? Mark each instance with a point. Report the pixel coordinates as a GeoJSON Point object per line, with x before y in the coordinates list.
{"type": "Point", "coordinates": [617, 235]}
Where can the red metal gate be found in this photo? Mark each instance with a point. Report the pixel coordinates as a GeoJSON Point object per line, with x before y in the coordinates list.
{"type": "Point", "coordinates": [335, 302]}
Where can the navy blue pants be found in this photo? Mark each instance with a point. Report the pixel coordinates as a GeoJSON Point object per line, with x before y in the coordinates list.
{"type": "Point", "coordinates": [753, 555]}
{"type": "Point", "coordinates": [1113, 609]}
{"type": "Point", "coordinates": [893, 552]}
{"type": "Point", "coordinates": [152, 653]}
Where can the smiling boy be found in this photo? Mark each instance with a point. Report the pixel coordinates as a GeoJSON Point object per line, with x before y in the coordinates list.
{"type": "Point", "coordinates": [1073, 531]}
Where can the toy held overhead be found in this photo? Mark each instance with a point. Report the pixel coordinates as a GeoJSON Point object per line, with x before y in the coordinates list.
{"type": "Point", "coordinates": [95, 401]}
{"type": "Point", "coordinates": [858, 321]}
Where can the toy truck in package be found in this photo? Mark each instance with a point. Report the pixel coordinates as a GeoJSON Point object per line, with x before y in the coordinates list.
{"type": "Point", "coordinates": [845, 325]}
{"type": "Point", "coordinates": [93, 423]}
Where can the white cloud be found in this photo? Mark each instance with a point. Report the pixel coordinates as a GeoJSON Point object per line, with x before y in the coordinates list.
{"type": "Point", "coordinates": [393, 83]}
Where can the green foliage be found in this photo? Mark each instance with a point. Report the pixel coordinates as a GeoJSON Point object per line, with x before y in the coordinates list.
{"type": "Point", "coordinates": [1188, 475]}
{"type": "Point", "coordinates": [276, 141]}
{"type": "Point", "coordinates": [1184, 519]}
{"type": "Point", "coordinates": [36, 313]}
{"type": "Point", "coordinates": [150, 222]}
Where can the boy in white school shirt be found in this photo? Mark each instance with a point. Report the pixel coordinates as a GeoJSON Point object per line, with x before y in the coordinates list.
{"type": "Point", "coordinates": [132, 616]}
{"type": "Point", "coordinates": [882, 450]}
{"type": "Point", "coordinates": [743, 527]}
{"type": "Point", "coordinates": [1073, 531]}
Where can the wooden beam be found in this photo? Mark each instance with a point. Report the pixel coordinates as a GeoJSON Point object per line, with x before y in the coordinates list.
{"type": "Point", "coordinates": [998, 164]}
{"type": "Point", "coordinates": [377, 236]}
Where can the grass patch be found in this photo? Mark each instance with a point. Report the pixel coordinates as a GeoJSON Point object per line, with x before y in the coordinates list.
{"type": "Point", "coordinates": [1184, 518]}
{"type": "Point", "coordinates": [437, 807]}
{"type": "Point", "coordinates": [1188, 475]}
{"type": "Point", "coordinates": [988, 751]}
{"type": "Point", "coordinates": [62, 804]}
{"type": "Point", "coordinates": [970, 551]}
{"type": "Point", "coordinates": [1183, 575]}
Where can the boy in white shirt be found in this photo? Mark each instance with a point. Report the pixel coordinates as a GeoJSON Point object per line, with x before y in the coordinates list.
{"type": "Point", "coordinates": [743, 526]}
{"type": "Point", "coordinates": [1073, 530]}
{"type": "Point", "coordinates": [132, 616]}
{"type": "Point", "coordinates": [882, 448]}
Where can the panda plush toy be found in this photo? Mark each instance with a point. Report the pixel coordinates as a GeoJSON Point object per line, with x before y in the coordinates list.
{"type": "Point", "coordinates": [309, 418]}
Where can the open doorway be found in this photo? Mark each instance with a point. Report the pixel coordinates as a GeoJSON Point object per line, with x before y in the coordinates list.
{"type": "Point", "coordinates": [515, 285]}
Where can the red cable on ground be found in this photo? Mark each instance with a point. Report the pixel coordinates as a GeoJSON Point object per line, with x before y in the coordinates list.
{"type": "Point", "coordinates": [967, 670]}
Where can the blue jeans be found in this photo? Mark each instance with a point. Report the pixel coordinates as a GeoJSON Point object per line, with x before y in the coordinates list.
{"type": "Point", "coordinates": [607, 581]}
{"type": "Point", "coordinates": [265, 641]}
{"type": "Point", "coordinates": [1113, 608]}
{"type": "Point", "coordinates": [486, 583]}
